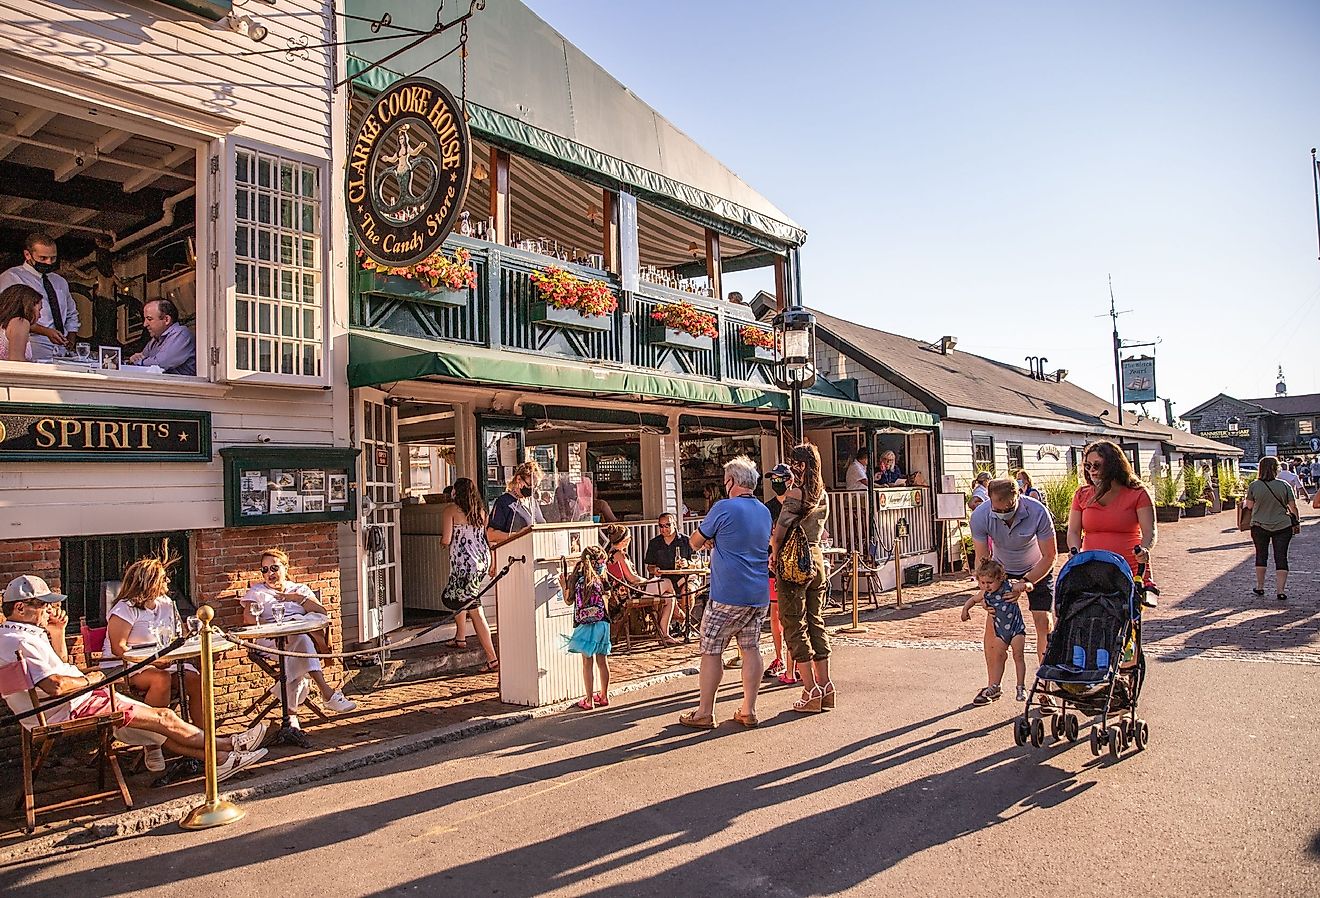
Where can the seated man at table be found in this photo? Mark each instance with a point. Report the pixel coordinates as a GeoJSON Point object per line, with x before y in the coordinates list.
{"type": "Point", "coordinates": [172, 346]}
{"type": "Point", "coordinates": [664, 550]}
{"type": "Point", "coordinates": [34, 631]}
{"type": "Point", "coordinates": [889, 474]}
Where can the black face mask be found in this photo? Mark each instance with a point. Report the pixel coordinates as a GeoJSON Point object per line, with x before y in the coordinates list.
{"type": "Point", "coordinates": [45, 267]}
{"type": "Point", "coordinates": [524, 491]}
{"type": "Point", "coordinates": [779, 486]}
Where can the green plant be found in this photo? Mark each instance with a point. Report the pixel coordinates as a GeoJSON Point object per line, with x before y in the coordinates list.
{"type": "Point", "coordinates": [1229, 484]}
{"type": "Point", "coordinates": [1057, 494]}
{"type": "Point", "coordinates": [562, 290]}
{"type": "Point", "coordinates": [436, 271]}
{"type": "Point", "coordinates": [755, 336]}
{"type": "Point", "coordinates": [1194, 485]}
{"type": "Point", "coordinates": [683, 316]}
{"type": "Point", "coordinates": [1167, 487]}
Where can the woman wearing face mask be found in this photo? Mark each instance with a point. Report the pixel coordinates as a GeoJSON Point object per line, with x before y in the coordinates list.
{"type": "Point", "coordinates": [515, 509]}
{"type": "Point", "coordinates": [1112, 511]}
{"type": "Point", "coordinates": [1025, 487]}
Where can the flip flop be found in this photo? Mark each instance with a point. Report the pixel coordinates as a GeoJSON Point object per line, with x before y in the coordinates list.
{"type": "Point", "coordinates": [690, 719]}
{"type": "Point", "coordinates": [454, 644]}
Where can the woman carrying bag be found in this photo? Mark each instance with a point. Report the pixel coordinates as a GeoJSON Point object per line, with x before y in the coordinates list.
{"type": "Point", "coordinates": [1274, 522]}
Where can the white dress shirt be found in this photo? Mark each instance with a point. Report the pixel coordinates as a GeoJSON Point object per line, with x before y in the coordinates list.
{"type": "Point", "coordinates": [42, 348]}
{"type": "Point", "coordinates": [856, 478]}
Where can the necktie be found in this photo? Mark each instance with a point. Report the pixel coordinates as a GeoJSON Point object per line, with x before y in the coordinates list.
{"type": "Point", "coordinates": [56, 317]}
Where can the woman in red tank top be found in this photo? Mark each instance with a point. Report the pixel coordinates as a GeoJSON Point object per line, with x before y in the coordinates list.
{"type": "Point", "coordinates": [1112, 511]}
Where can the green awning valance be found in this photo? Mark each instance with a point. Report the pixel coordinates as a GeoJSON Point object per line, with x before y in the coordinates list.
{"type": "Point", "coordinates": [378, 358]}
{"type": "Point", "coordinates": [693, 203]}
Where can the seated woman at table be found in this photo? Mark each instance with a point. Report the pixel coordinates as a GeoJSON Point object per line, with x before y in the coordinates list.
{"type": "Point", "coordinates": [620, 568]}
{"type": "Point", "coordinates": [19, 307]}
{"type": "Point", "coordinates": [144, 609]}
{"type": "Point", "coordinates": [259, 607]}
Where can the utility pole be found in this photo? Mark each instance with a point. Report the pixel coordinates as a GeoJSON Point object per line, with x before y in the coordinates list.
{"type": "Point", "coordinates": [1315, 181]}
{"type": "Point", "coordinates": [1118, 365]}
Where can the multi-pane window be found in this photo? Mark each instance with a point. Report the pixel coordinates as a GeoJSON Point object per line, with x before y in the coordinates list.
{"type": "Point", "coordinates": [1016, 461]}
{"type": "Point", "coordinates": [277, 250]}
{"type": "Point", "coordinates": [1305, 427]}
{"type": "Point", "coordinates": [983, 453]}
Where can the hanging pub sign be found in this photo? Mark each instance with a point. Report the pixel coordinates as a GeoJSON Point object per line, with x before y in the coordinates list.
{"type": "Point", "coordinates": [1139, 379]}
{"type": "Point", "coordinates": [47, 432]}
{"type": "Point", "coordinates": [408, 170]}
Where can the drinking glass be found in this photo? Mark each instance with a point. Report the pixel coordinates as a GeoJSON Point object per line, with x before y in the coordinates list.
{"type": "Point", "coordinates": [84, 352]}
{"type": "Point", "coordinates": [278, 611]}
{"type": "Point", "coordinates": [194, 625]}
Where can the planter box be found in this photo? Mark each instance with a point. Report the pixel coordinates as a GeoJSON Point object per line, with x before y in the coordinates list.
{"type": "Point", "coordinates": [544, 313]}
{"type": "Point", "coordinates": [1230, 502]}
{"type": "Point", "coordinates": [1061, 540]}
{"type": "Point", "coordinates": [1195, 511]}
{"type": "Point", "coordinates": [676, 339]}
{"type": "Point", "coordinates": [1167, 514]}
{"type": "Point", "coordinates": [407, 288]}
{"type": "Point", "coordinates": [757, 354]}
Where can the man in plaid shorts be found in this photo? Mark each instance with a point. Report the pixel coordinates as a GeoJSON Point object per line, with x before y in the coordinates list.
{"type": "Point", "coordinates": [737, 530]}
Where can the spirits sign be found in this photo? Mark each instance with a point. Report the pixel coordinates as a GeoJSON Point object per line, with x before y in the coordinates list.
{"type": "Point", "coordinates": [32, 432]}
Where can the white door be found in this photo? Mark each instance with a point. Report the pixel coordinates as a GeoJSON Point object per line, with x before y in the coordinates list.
{"type": "Point", "coordinates": [380, 606]}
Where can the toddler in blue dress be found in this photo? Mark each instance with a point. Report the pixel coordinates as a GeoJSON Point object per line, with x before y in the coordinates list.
{"type": "Point", "coordinates": [1010, 631]}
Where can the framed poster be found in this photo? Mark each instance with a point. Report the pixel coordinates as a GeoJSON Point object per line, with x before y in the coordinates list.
{"type": "Point", "coordinates": [288, 485]}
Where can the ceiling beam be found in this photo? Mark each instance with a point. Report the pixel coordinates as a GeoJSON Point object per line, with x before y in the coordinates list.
{"type": "Point", "coordinates": [28, 124]}
{"type": "Point", "coordinates": [39, 184]}
{"type": "Point", "coordinates": [80, 162]}
{"type": "Point", "coordinates": [170, 162]}
{"type": "Point", "coordinates": [75, 218]}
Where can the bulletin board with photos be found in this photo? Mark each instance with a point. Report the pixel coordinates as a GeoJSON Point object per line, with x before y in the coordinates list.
{"type": "Point", "coordinates": [289, 485]}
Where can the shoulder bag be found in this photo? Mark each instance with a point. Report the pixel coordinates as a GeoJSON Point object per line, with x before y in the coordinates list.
{"type": "Point", "coordinates": [1296, 522]}
{"type": "Point", "coordinates": [795, 558]}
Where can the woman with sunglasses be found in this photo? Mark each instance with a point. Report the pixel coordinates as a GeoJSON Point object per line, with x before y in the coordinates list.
{"type": "Point", "coordinates": [1112, 511]}
{"type": "Point", "coordinates": [259, 604]}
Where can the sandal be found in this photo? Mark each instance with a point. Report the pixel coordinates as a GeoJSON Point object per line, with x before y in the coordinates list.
{"type": "Point", "coordinates": [455, 644]}
{"type": "Point", "coordinates": [493, 665]}
{"type": "Point", "coordinates": [583, 704]}
{"type": "Point", "coordinates": [810, 703]}
{"type": "Point", "coordinates": [600, 700]}
{"type": "Point", "coordinates": [748, 720]}
{"type": "Point", "coordinates": [1258, 592]}
{"type": "Point", "coordinates": [786, 680]}
{"type": "Point", "coordinates": [1282, 597]}
{"type": "Point", "coordinates": [690, 719]}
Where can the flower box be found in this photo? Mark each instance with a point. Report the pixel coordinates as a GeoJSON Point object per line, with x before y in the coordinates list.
{"type": "Point", "coordinates": [757, 354]}
{"type": "Point", "coordinates": [1167, 514]}
{"type": "Point", "coordinates": [677, 339]}
{"type": "Point", "coordinates": [1195, 510]}
{"type": "Point", "coordinates": [409, 288]}
{"type": "Point", "coordinates": [544, 313]}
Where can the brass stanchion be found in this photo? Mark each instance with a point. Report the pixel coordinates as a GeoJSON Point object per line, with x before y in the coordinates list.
{"type": "Point", "coordinates": [856, 571]}
{"type": "Point", "coordinates": [213, 811]}
{"type": "Point", "coordinates": [898, 572]}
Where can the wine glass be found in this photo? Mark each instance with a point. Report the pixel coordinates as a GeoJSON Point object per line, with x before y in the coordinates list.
{"type": "Point", "coordinates": [277, 611]}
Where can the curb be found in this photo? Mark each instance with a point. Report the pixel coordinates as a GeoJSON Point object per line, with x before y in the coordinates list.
{"type": "Point", "coordinates": [138, 821]}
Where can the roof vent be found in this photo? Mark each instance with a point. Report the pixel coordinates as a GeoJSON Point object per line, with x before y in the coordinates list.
{"type": "Point", "coordinates": [946, 344]}
{"type": "Point", "coordinates": [1036, 367]}
{"type": "Point", "coordinates": [1061, 375]}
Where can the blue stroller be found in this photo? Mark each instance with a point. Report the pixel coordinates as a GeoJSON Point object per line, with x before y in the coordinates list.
{"type": "Point", "coordinates": [1093, 663]}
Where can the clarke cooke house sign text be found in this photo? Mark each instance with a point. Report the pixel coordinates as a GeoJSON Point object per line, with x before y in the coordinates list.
{"type": "Point", "coordinates": [408, 172]}
{"type": "Point", "coordinates": [30, 432]}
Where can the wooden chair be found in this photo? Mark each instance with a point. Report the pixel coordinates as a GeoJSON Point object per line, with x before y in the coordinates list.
{"type": "Point", "coordinates": [37, 742]}
{"type": "Point", "coordinates": [638, 605]}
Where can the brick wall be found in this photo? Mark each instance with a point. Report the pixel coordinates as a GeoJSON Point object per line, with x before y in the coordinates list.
{"type": "Point", "coordinates": [224, 564]}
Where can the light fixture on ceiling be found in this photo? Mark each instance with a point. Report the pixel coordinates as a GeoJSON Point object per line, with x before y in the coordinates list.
{"type": "Point", "coordinates": [480, 172]}
{"type": "Point", "coordinates": [249, 26]}
{"type": "Point", "coordinates": [694, 249]}
{"type": "Point", "coordinates": [595, 214]}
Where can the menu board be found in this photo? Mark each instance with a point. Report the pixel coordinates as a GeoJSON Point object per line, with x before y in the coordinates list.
{"type": "Point", "coordinates": [296, 484]}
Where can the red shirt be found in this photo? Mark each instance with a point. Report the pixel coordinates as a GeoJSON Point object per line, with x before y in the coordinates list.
{"type": "Point", "coordinates": [1112, 527]}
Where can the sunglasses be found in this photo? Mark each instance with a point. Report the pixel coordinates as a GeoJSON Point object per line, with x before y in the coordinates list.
{"type": "Point", "coordinates": [1093, 465]}
{"type": "Point", "coordinates": [271, 568]}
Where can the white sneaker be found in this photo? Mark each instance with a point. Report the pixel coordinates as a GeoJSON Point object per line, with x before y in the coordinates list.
{"type": "Point", "coordinates": [236, 761]}
{"type": "Point", "coordinates": [250, 738]}
{"type": "Point", "coordinates": [293, 722]}
{"type": "Point", "coordinates": [338, 703]}
{"type": "Point", "coordinates": [155, 759]}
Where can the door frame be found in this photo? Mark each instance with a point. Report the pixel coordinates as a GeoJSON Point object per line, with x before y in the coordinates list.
{"type": "Point", "coordinates": [379, 486]}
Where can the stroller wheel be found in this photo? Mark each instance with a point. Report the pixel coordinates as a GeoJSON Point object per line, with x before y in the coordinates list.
{"type": "Point", "coordinates": [1056, 726]}
{"type": "Point", "coordinates": [1070, 727]}
{"type": "Point", "coordinates": [1142, 735]}
{"type": "Point", "coordinates": [1021, 730]}
{"type": "Point", "coordinates": [1115, 742]}
{"type": "Point", "coordinates": [1037, 732]}
{"type": "Point", "coordinates": [1095, 741]}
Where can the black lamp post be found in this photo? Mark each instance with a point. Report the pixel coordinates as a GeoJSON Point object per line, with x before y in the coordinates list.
{"type": "Point", "coordinates": [795, 334]}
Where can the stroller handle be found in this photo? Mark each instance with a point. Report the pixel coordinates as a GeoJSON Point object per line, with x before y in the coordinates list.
{"type": "Point", "coordinates": [1141, 566]}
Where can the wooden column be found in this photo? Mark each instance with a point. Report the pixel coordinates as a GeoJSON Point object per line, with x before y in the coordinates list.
{"type": "Point", "coordinates": [499, 194]}
{"type": "Point", "coordinates": [610, 229]}
{"type": "Point", "coordinates": [781, 283]}
{"type": "Point", "coordinates": [713, 272]}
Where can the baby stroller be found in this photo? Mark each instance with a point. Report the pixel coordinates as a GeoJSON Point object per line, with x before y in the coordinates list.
{"type": "Point", "coordinates": [1093, 663]}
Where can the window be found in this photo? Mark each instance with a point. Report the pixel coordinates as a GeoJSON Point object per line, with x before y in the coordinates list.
{"type": "Point", "coordinates": [92, 567]}
{"type": "Point", "coordinates": [1074, 460]}
{"type": "Point", "coordinates": [277, 262]}
{"type": "Point", "coordinates": [1016, 460]}
{"type": "Point", "coordinates": [1305, 427]}
{"type": "Point", "coordinates": [983, 453]}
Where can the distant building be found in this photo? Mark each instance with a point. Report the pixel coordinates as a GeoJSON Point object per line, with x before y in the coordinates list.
{"type": "Point", "coordinates": [1276, 425]}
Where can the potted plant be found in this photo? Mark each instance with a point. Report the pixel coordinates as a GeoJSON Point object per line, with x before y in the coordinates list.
{"type": "Point", "coordinates": [681, 325]}
{"type": "Point", "coordinates": [1229, 487]}
{"type": "Point", "coordinates": [1194, 486]}
{"type": "Point", "coordinates": [1167, 488]}
{"type": "Point", "coordinates": [437, 278]}
{"type": "Point", "coordinates": [1057, 494]}
{"type": "Point", "coordinates": [756, 344]}
{"type": "Point", "coordinates": [569, 301]}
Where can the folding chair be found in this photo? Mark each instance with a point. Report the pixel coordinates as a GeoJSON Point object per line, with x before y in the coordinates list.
{"type": "Point", "coordinates": [40, 739]}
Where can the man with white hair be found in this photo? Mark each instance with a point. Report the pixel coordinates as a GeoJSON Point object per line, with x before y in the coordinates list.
{"type": "Point", "coordinates": [737, 530]}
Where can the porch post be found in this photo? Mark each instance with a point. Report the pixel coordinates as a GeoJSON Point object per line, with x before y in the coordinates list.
{"type": "Point", "coordinates": [713, 264]}
{"type": "Point", "coordinates": [781, 284]}
{"type": "Point", "coordinates": [499, 194]}
{"type": "Point", "coordinates": [872, 531]}
{"type": "Point", "coordinates": [610, 229]}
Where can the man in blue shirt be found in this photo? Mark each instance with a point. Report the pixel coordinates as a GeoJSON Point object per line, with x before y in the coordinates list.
{"type": "Point", "coordinates": [171, 346]}
{"type": "Point", "coordinates": [737, 530]}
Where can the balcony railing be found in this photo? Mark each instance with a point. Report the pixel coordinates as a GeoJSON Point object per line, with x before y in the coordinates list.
{"type": "Point", "coordinates": [500, 314]}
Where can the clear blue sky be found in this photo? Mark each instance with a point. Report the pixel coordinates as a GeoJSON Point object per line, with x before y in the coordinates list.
{"type": "Point", "coordinates": [978, 169]}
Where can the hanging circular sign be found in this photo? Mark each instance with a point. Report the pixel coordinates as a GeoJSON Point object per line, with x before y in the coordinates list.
{"type": "Point", "coordinates": [408, 169]}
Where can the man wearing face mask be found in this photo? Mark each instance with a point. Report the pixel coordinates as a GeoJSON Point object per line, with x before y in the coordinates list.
{"type": "Point", "coordinates": [58, 313]}
{"type": "Point", "coordinates": [1021, 531]}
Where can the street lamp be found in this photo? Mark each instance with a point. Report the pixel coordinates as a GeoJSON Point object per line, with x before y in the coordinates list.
{"type": "Point", "coordinates": [795, 334]}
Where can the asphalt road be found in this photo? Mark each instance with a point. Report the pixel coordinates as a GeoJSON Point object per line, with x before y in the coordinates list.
{"type": "Point", "coordinates": [906, 789]}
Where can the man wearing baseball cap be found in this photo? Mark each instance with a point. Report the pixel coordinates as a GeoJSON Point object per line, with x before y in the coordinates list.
{"type": "Point", "coordinates": [33, 635]}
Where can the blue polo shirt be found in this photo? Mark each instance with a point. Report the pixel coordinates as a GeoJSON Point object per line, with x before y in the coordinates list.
{"type": "Point", "coordinates": [740, 557]}
{"type": "Point", "coordinates": [890, 477]}
{"type": "Point", "coordinates": [1015, 542]}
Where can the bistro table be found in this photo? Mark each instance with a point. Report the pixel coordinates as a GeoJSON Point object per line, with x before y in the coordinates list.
{"type": "Point", "coordinates": [686, 598]}
{"type": "Point", "coordinates": [290, 626]}
{"type": "Point", "coordinates": [180, 768]}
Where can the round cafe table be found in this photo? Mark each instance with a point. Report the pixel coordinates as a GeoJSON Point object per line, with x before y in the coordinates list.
{"type": "Point", "coordinates": [687, 593]}
{"type": "Point", "coordinates": [280, 633]}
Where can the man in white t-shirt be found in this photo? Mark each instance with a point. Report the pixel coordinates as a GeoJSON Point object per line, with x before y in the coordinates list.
{"type": "Point", "coordinates": [859, 473]}
{"type": "Point", "coordinates": [34, 631]}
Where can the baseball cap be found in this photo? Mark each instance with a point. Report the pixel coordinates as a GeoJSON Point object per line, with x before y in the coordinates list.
{"type": "Point", "coordinates": [779, 472]}
{"type": "Point", "coordinates": [31, 589]}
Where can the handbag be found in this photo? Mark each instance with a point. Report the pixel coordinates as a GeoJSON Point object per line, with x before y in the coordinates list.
{"type": "Point", "coordinates": [1296, 521]}
{"type": "Point", "coordinates": [1244, 516]}
{"type": "Point", "coordinates": [795, 558]}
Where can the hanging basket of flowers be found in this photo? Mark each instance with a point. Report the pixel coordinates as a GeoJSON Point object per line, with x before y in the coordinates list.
{"type": "Point", "coordinates": [681, 325]}
{"type": "Point", "coordinates": [565, 300]}
{"type": "Point", "coordinates": [437, 278]}
{"type": "Point", "coordinates": [756, 344]}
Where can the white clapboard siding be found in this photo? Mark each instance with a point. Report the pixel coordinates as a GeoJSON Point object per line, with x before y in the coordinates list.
{"type": "Point", "coordinates": [159, 52]}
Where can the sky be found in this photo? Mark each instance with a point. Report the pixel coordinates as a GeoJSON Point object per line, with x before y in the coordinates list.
{"type": "Point", "coordinates": [981, 170]}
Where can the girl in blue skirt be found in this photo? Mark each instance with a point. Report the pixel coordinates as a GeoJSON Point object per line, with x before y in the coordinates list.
{"type": "Point", "coordinates": [584, 589]}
